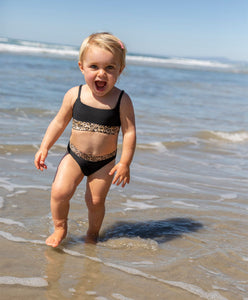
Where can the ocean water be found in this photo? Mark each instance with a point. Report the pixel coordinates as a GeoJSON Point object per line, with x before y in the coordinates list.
{"type": "Point", "coordinates": [177, 231]}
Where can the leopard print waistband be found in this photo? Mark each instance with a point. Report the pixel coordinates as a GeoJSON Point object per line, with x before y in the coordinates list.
{"type": "Point", "coordinates": [90, 157]}
{"type": "Point", "coordinates": [88, 126]}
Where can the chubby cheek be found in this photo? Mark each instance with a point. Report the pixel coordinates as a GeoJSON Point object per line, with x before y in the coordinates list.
{"type": "Point", "coordinates": [89, 78]}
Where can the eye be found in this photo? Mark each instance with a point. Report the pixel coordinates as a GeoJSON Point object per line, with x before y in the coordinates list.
{"type": "Point", "coordinates": [110, 67]}
{"type": "Point", "coordinates": [94, 67]}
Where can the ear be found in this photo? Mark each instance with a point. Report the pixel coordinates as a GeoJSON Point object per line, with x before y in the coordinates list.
{"type": "Point", "coordinates": [121, 69]}
{"type": "Point", "coordinates": [81, 67]}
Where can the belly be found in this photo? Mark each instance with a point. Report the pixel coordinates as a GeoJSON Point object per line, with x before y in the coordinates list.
{"type": "Point", "coordinates": [93, 142]}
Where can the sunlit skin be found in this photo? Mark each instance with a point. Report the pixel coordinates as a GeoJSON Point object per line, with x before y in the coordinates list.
{"type": "Point", "coordinates": [101, 70]}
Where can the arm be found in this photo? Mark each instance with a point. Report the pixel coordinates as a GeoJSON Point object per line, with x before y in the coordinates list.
{"type": "Point", "coordinates": [55, 129]}
{"type": "Point", "coordinates": [122, 168]}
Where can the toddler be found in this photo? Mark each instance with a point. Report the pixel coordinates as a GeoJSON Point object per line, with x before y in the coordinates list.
{"type": "Point", "coordinates": [98, 110]}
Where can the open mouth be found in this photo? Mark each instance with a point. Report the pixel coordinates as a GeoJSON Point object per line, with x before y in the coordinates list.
{"type": "Point", "coordinates": [100, 85]}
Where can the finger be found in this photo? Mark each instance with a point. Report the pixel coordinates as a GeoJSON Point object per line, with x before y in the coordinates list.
{"type": "Point", "coordinates": [125, 181]}
{"type": "Point", "coordinates": [115, 180]}
{"type": "Point", "coordinates": [42, 159]}
{"type": "Point", "coordinates": [112, 171]}
{"type": "Point", "coordinates": [37, 160]}
{"type": "Point", "coordinates": [120, 179]}
{"type": "Point", "coordinates": [42, 167]}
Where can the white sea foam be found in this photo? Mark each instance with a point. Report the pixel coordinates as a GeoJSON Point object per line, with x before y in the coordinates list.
{"type": "Point", "coordinates": [147, 180]}
{"type": "Point", "coordinates": [132, 243]}
{"type": "Point", "coordinates": [157, 146]}
{"type": "Point", "coordinates": [90, 293]}
{"type": "Point", "coordinates": [38, 50]}
{"type": "Point", "coordinates": [142, 262]}
{"type": "Point", "coordinates": [145, 197]}
{"type": "Point", "coordinates": [31, 281]}
{"type": "Point", "coordinates": [131, 205]}
{"type": "Point", "coordinates": [7, 185]}
{"type": "Point", "coordinates": [120, 297]}
{"type": "Point", "coordinates": [20, 192]}
{"type": "Point", "coordinates": [4, 183]}
{"type": "Point", "coordinates": [229, 196]}
{"type": "Point", "coordinates": [174, 61]}
{"type": "Point", "coordinates": [160, 147]}
{"type": "Point", "coordinates": [235, 137]}
{"type": "Point", "coordinates": [185, 204]}
{"type": "Point", "coordinates": [20, 161]}
{"type": "Point", "coordinates": [11, 222]}
{"type": "Point", "coordinates": [1, 202]}
{"type": "Point", "coordinates": [18, 239]}
{"type": "Point", "coordinates": [193, 289]}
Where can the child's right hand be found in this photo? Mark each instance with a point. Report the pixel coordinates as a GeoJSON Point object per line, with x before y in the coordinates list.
{"type": "Point", "coordinates": [39, 160]}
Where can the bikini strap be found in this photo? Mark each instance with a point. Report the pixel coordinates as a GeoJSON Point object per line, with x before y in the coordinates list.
{"type": "Point", "coordinates": [119, 100]}
{"type": "Point", "coordinates": [79, 91]}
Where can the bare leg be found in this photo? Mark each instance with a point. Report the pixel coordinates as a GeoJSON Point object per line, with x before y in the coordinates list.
{"type": "Point", "coordinates": [68, 176]}
{"type": "Point", "coordinates": [97, 188]}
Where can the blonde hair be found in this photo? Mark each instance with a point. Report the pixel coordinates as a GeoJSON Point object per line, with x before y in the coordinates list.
{"type": "Point", "coordinates": [106, 41]}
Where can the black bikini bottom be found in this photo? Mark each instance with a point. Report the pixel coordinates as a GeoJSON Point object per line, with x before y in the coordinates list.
{"type": "Point", "coordinates": [89, 164]}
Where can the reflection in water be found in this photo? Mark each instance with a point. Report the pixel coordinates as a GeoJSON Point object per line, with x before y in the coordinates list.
{"type": "Point", "coordinates": [66, 278]}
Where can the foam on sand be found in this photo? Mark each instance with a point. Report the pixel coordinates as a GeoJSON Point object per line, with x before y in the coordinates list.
{"type": "Point", "coordinates": [193, 289]}
{"type": "Point", "coordinates": [1, 202]}
{"type": "Point", "coordinates": [131, 205]}
{"type": "Point", "coordinates": [11, 222]}
{"type": "Point", "coordinates": [29, 281]}
{"type": "Point", "coordinates": [10, 237]}
{"type": "Point", "coordinates": [120, 297]}
{"type": "Point", "coordinates": [185, 204]}
{"type": "Point", "coordinates": [38, 282]}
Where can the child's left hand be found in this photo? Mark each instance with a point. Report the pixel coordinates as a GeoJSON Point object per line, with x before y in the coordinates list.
{"type": "Point", "coordinates": [122, 174]}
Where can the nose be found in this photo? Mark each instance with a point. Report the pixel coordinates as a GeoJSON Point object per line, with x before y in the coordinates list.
{"type": "Point", "coordinates": [101, 72]}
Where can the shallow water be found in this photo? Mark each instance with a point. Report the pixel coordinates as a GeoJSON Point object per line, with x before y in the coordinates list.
{"type": "Point", "coordinates": [178, 231]}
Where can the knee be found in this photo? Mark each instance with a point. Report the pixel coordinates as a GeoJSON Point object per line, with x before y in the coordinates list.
{"type": "Point", "coordinates": [61, 192]}
{"type": "Point", "coordinates": [95, 203]}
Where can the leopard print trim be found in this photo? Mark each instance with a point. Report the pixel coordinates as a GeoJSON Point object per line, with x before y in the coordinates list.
{"type": "Point", "coordinates": [90, 157]}
{"type": "Point", "coordinates": [87, 126]}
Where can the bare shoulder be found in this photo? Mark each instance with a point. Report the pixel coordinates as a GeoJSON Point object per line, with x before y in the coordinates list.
{"type": "Point", "coordinates": [126, 103]}
{"type": "Point", "coordinates": [71, 96]}
{"type": "Point", "coordinates": [127, 114]}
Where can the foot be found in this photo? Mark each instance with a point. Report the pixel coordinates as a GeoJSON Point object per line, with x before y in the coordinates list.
{"type": "Point", "coordinates": [91, 238]}
{"type": "Point", "coordinates": [59, 234]}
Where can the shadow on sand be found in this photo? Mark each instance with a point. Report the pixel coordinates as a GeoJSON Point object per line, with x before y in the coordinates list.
{"type": "Point", "coordinates": [161, 230]}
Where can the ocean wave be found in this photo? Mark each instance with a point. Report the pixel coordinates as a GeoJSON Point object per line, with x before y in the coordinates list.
{"type": "Point", "coordinates": [165, 146]}
{"type": "Point", "coordinates": [233, 137]}
{"type": "Point", "coordinates": [18, 46]}
{"type": "Point", "coordinates": [71, 52]}
{"type": "Point", "coordinates": [27, 111]}
{"type": "Point", "coordinates": [26, 148]}
{"type": "Point", "coordinates": [176, 61]}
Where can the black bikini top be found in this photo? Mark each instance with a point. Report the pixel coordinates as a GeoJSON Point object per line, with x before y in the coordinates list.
{"type": "Point", "coordinates": [88, 118]}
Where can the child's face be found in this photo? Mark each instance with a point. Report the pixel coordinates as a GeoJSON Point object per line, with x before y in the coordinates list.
{"type": "Point", "coordinates": [101, 70]}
